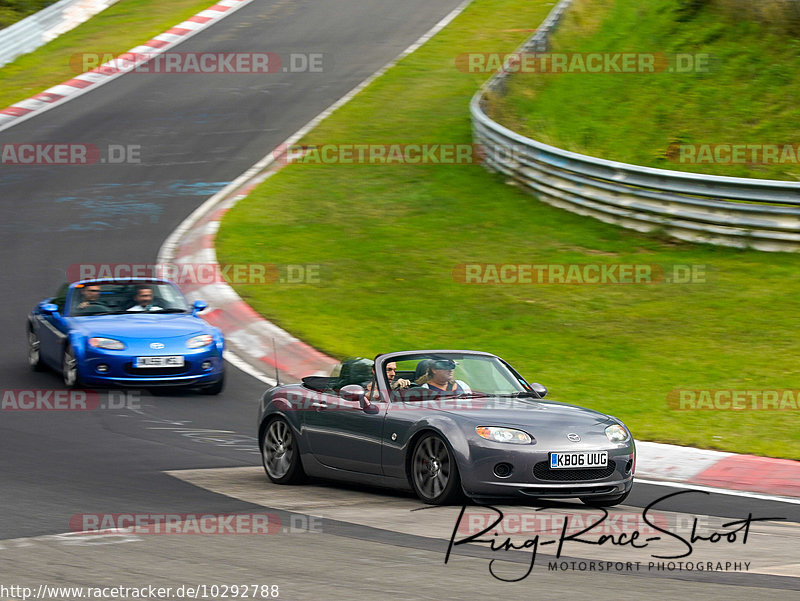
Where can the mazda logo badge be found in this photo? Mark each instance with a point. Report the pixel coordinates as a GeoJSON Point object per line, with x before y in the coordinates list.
{"type": "Point", "coordinates": [156, 345]}
{"type": "Point", "coordinates": [574, 437]}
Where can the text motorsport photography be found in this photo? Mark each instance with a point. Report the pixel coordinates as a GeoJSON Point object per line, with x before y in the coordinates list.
{"type": "Point", "coordinates": [657, 544]}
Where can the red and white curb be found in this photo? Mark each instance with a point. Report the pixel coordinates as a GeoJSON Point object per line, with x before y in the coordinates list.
{"type": "Point", "coordinates": [263, 345]}
{"type": "Point", "coordinates": [125, 63]}
{"type": "Point", "coordinates": [703, 469]}
{"type": "Point", "coordinates": [251, 337]}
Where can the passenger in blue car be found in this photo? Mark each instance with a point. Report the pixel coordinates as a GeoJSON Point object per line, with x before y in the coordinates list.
{"type": "Point", "coordinates": [144, 300]}
{"type": "Point", "coordinates": [440, 377]}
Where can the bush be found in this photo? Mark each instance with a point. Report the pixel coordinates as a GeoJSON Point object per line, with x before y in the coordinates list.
{"type": "Point", "coordinates": [780, 15]}
{"type": "Point", "coordinates": [687, 9]}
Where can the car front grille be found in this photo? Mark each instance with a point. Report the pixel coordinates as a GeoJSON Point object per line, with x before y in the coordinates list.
{"type": "Point", "coordinates": [542, 471]}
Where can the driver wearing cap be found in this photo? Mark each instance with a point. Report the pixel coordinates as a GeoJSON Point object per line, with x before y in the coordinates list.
{"type": "Point", "coordinates": [440, 377]}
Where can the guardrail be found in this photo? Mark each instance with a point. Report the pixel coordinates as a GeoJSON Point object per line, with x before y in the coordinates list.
{"type": "Point", "coordinates": [46, 25]}
{"type": "Point", "coordinates": [731, 211]}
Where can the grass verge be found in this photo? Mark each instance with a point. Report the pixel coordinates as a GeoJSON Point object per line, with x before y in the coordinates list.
{"type": "Point", "coordinates": [388, 238]}
{"type": "Point", "coordinates": [117, 29]}
{"type": "Point", "coordinates": [745, 93]}
{"type": "Point", "coordinates": [12, 11]}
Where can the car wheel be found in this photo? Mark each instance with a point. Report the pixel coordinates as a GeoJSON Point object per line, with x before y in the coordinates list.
{"type": "Point", "coordinates": [280, 453]}
{"type": "Point", "coordinates": [608, 501]}
{"type": "Point", "coordinates": [216, 387]}
{"type": "Point", "coordinates": [69, 368]}
{"type": "Point", "coordinates": [34, 351]}
{"type": "Point", "coordinates": [434, 473]}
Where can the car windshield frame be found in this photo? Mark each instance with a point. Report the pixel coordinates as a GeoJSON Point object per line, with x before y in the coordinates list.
{"type": "Point", "coordinates": [117, 298]}
{"type": "Point", "coordinates": [483, 373]}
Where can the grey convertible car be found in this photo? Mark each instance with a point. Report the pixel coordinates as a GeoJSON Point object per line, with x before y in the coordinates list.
{"type": "Point", "coordinates": [444, 424]}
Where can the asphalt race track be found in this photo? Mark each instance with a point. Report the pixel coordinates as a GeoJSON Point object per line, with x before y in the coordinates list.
{"type": "Point", "coordinates": [195, 134]}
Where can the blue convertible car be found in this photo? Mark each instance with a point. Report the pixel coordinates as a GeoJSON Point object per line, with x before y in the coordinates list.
{"type": "Point", "coordinates": [139, 333]}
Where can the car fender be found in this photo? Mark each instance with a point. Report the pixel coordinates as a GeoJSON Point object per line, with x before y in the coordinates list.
{"type": "Point", "coordinates": [446, 427]}
{"type": "Point", "coordinates": [219, 339]}
{"type": "Point", "coordinates": [274, 402]}
{"type": "Point", "coordinates": [36, 324]}
{"type": "Point", "coordinates": [78, 343]}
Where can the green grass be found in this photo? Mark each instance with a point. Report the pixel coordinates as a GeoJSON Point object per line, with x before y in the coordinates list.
{"type": "Point", "coordinates": [747, 97]}
{"type": "Point", "coordinates": [388, 238]}
{"type": "Point", "coordinates": [781, 16]}
{"type": "Point", "coordinates": [117, 29]}
{"type": "Point", "coordinates": [12, 11]}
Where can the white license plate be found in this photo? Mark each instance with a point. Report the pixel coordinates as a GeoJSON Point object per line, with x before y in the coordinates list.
{"type": "Point", "coordinates": [167, 361]}
{"type": "Point", "coordinates": [577, 460]}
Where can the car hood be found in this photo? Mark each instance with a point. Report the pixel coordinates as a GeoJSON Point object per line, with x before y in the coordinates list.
{"type": "Point", "coordinates": [138, 325]}
{"type": "Point", "coordinates": [526, 413]}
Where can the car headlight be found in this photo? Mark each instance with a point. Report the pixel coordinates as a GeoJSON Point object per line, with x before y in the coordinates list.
{"type": "Point", "coordinates": [504, 435]}
{"type": "Point", "coordinates": [616, 433]}
{"type": "Point", "coordinates": [199, 341]}
{"type": "Point", "coordinates": [107, 343]}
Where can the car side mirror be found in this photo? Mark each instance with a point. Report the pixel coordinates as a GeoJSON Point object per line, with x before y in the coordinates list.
{"type": "Point", "coordinates": [198, 306]}
{"type": "Point", "coordinates": [49, 308]}
{"type": "Point", "coordinates": [355, 393]}
{"type": "Point", "coordinates": [539, 389]}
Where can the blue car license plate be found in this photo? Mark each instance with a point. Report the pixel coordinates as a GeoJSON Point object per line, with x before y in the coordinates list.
{"type": "Point", "coordinates": [578, 459]}
{"type": "Point", "coordinates": [164, 361]}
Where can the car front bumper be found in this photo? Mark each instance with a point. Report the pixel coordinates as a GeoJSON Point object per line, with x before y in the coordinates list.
{"type": "Point", "coordinates": [120, 370]}
{"type": "Point", "coordinates": [530, 475]}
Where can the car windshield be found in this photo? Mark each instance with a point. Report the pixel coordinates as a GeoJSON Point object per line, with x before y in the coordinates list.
{"type": "Point", "coordinates": [453, 374]}
{"type": "Point", "coordinates": [115, 299]}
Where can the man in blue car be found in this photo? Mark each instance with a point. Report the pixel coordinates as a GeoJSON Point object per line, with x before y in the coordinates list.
{"type": "Point", "coordinates": [89, 301]}
{"type": "Point", "coordinates": [144, 300]}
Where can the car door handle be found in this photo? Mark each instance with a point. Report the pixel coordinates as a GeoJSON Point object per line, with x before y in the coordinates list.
{"type": "Point", "coordinates": [320, 405]}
